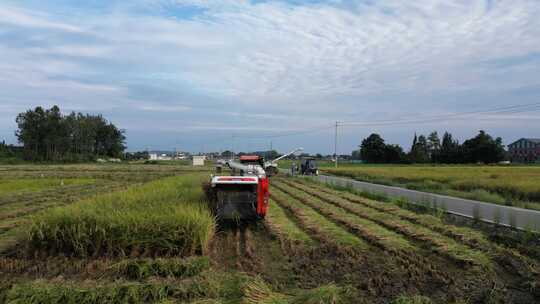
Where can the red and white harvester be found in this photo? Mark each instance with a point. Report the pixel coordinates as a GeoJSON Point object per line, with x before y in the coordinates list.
{"type": "Point", "coordinates": [244, 194]}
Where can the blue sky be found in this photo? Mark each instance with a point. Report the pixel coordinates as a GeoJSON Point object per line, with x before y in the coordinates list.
{"type": "Point", "coordinates": [192, 74]}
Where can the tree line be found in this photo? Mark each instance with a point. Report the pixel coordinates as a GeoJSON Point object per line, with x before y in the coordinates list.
{"type": "Point", "coordinates": [48, 135]}
{"type": "Point", "coordinates": [482, 148]}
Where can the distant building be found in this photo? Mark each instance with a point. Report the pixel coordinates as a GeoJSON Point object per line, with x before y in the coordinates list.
{"type": "Point", "coordinates": [525, 150]}
{"type": "Point", "coordinates": [162, 156]}
{"type": "Point", "coordinates": [180, 156]}
{"type": "Point", "coordinates": [198, 160]}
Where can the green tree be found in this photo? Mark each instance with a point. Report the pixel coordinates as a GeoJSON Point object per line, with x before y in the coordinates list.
{"type": "Point", "coordinates": [373, 149]}
{"type": "Point", "coordinates": [451, 152]}
{"type": "Point", "coordinates": [47, 135]}
{"type": "Point", "coordinates": [434, 146]}
{"type": "Point", "coordinates": [419, 150]}
{"type": "Point", "coordinates": [394, 154]}
{"type": "Point", "coordinates": [483, 148]}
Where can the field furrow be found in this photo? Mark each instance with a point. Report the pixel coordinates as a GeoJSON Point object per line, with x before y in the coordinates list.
{"type": "Point", "coordinates": [317, 225]}
{"type": "Point", "coordinates": [367, 230]}
{"type": "Point", "coordinates": [436, 241]}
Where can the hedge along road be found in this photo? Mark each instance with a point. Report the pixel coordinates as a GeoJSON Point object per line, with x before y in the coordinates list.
{"type": "Point", "coordinates": [523, 219]}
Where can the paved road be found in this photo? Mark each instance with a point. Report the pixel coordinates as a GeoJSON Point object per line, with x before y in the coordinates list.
{"type": "Point", "coordinates": [509, 216]}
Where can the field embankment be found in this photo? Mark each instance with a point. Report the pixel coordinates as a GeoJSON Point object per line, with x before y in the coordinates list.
{"type": "Point", "coordinates": [511, 185]}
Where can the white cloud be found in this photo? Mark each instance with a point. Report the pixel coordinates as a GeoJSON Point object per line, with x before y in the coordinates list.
{"type": "Point", "coordinates": [74, 50]}
{"type": "Point", "coordinates": [27, 18]}
{"type": "Point", "coordinates": [278, 51]}
{"type": "Point", "coordinates": [293, 65]}
{"type": "Point", "coordinates": [274, 50]}
{"type": "Point", "coordinates": [163, 108]}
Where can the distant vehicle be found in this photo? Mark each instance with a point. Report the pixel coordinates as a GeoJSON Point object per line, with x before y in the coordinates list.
{"type": "Point", "coordinates": [309, 167]}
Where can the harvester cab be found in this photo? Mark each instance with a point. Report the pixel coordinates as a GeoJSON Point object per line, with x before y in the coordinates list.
{"type": "Point", "coordinates": [309, 166]}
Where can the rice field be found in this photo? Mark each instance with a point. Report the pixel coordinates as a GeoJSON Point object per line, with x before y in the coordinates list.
{"type": "Point", "coordinates": [151, 238]}
{"type": "Point", "coordinates": [507, 185]}
{"type": "Point", "coordinates": [164, 217]}
{"type": "Point", "coordinates": [30, 185]}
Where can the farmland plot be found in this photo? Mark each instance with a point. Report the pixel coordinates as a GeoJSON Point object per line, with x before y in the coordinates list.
{"type": "Point", "coordinates": [27, 189]}
{"type": "Point", "coordinates": [513, 186]}
{"type": "Point", "coordinates": [156, 242]}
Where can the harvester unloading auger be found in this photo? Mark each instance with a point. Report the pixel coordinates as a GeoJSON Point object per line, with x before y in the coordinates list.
{"type": "Point", "coordinates": [244, 194]}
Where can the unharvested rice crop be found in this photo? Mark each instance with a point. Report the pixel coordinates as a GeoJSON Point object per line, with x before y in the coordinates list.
{"type": "Point", "coordinates": [497, 184]}
{"type": "Point", "coordinates": [165, 217]}
{"type": "Point", "coordinates": [34, 184]}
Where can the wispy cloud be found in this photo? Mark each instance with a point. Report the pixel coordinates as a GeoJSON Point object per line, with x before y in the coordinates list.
{"type": "Point", "coordinates": [162, 108]}
{"type": "Point", "coordinates": [27, 18]}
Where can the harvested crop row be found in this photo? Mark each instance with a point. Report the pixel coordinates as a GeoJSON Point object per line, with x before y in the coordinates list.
{"type": "Point", "coordinates": [165, 217]}
{"type": "Point", "coordinates": [137, 269]}
{"type": "Point", "coordinates": [522, 265]}
{"type": "Point", "coordinates": [133, 269]}
{"type": "Point", "coordinates": [367, 230]}
{"type": "Point", "coordinates": [441, 244]}
{"type": "Point", "coordinates": [322, 229]}
{"type": "Point", "coordinates": [207, 285]}
{"type": "Point", "coordinates": [285, 228]}
{"type": "Point", "coordinates": [256, 291]}
{"type": "Point", "coordinates": [416, 264]}
{"type": "Point", "coordinates": [470, 237]}
{"type": "Point", "coordinates": [207, 288]}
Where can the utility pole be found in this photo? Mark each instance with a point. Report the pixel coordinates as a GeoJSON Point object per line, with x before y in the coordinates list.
{"type": "Point", "coordinates": [232, 151]}
{"type": "Point", "coordinates": [335, 144]}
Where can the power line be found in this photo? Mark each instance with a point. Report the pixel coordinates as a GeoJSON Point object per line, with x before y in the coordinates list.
{"type": "Point", "coordinates": [512, 109]}
{"type": "Point", "coordinates": [500, 110]}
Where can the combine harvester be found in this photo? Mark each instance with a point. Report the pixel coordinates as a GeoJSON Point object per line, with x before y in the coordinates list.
{"type": "Point", "coordinates": [244, 194]}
